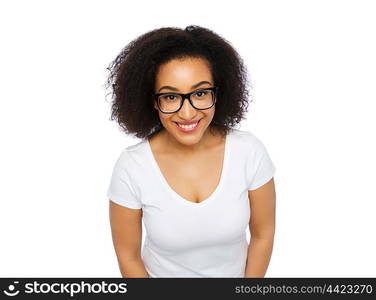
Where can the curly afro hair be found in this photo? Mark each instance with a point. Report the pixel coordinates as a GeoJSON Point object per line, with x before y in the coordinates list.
{"type": "Point", "coordinates": [132, 77]}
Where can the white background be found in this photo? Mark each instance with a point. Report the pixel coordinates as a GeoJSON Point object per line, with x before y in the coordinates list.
{"type": "Point", "coordinates": [313, 69]}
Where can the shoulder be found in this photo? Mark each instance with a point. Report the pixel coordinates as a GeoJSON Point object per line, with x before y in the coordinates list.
{"type": "Point", "coordinates": [246, 140]}
{"type": "Point", "coordinates": [132, 156]}
{"type": "Point", "coordinates": [136, 147]}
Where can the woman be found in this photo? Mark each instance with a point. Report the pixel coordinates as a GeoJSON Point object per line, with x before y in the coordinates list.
{"type": "Point", "coordinates": [193, 179]}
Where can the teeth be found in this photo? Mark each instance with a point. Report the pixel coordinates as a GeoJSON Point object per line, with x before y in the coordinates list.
{"type": "Point", "coordinates": [187, 126]}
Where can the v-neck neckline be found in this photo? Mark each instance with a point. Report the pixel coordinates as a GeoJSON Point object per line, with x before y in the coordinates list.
{"type": "Point", "coordinates": [175, 194]}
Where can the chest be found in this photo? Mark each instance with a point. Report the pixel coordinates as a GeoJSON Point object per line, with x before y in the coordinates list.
{"type": "Point", "coordinates": [194, 179]}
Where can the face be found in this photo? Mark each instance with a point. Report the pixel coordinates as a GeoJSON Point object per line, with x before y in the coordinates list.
{"type": "Point", "coordinates": [183, 76]}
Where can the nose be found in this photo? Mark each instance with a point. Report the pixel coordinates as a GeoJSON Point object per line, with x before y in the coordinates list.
{"type": "Point", "coordinates": [187, 111]}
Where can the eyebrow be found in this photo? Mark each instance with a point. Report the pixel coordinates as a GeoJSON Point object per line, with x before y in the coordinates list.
{"type": "Point", "coordinates": [175, 89]}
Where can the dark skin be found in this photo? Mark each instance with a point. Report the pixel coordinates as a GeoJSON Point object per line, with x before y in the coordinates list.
{"type": "Point", "coordinates": [191, 156]}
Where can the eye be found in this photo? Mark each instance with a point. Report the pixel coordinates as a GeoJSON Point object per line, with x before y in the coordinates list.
{"type": "Point", "coordinates": [200, 93]}
{"type": "Point", "coordinates": [170, 97]}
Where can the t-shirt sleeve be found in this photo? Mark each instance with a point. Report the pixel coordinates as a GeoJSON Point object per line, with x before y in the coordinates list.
{"type": "Point", "coordinates": [120, 189]}
{"type": "Point", "coordinates": [260, 166]}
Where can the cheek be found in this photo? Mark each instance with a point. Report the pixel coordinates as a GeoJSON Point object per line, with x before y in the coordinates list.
{"type": "Point", "coordinates": [210, 112]}
{"type": "Point", "coordinates": [164, 117]}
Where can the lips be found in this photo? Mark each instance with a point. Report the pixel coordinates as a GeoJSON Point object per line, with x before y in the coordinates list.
{"type": "Point", "coordinates": [188, 129]}
{"type": "Point", "coordinates": [188, 123]}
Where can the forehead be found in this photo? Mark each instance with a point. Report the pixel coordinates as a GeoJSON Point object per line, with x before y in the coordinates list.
{"type": "Point", "coordinates": [183, 71]}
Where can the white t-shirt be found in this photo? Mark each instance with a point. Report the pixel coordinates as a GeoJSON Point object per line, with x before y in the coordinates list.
{"type": "Point", "coordinates": [184, 238]}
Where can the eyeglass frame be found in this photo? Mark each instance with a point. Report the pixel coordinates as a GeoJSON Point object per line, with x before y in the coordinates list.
{"type": "Point", "coordinates": [188, 96]}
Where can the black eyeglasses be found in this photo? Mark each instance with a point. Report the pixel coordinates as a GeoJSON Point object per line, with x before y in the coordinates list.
{"type": "Point", "coordinates": [200, 99]}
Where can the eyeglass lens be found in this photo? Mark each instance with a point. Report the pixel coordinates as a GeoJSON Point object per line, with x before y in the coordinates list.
{"type": "Point", "coordinates": [201, 99]}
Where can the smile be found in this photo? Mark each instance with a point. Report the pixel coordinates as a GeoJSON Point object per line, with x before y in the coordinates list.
{"type": "Point", "coordinates": [187, 128]}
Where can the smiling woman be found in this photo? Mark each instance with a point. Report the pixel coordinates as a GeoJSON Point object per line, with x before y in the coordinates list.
{"type": "Point", "coordinates": [193, 179]}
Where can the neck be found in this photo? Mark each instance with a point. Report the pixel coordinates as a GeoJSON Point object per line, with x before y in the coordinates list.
{"type": "Point", "coordinates": [176, 147]}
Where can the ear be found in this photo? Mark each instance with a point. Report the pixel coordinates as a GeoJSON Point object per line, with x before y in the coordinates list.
{"type": "Point", "coordinates": [155, 104]}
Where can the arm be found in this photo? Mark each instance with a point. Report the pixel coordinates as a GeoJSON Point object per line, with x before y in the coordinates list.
{"type": "Point", "coordinates": [262, 228]}
{"type": "Point", "coordinates": [126, 228]}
